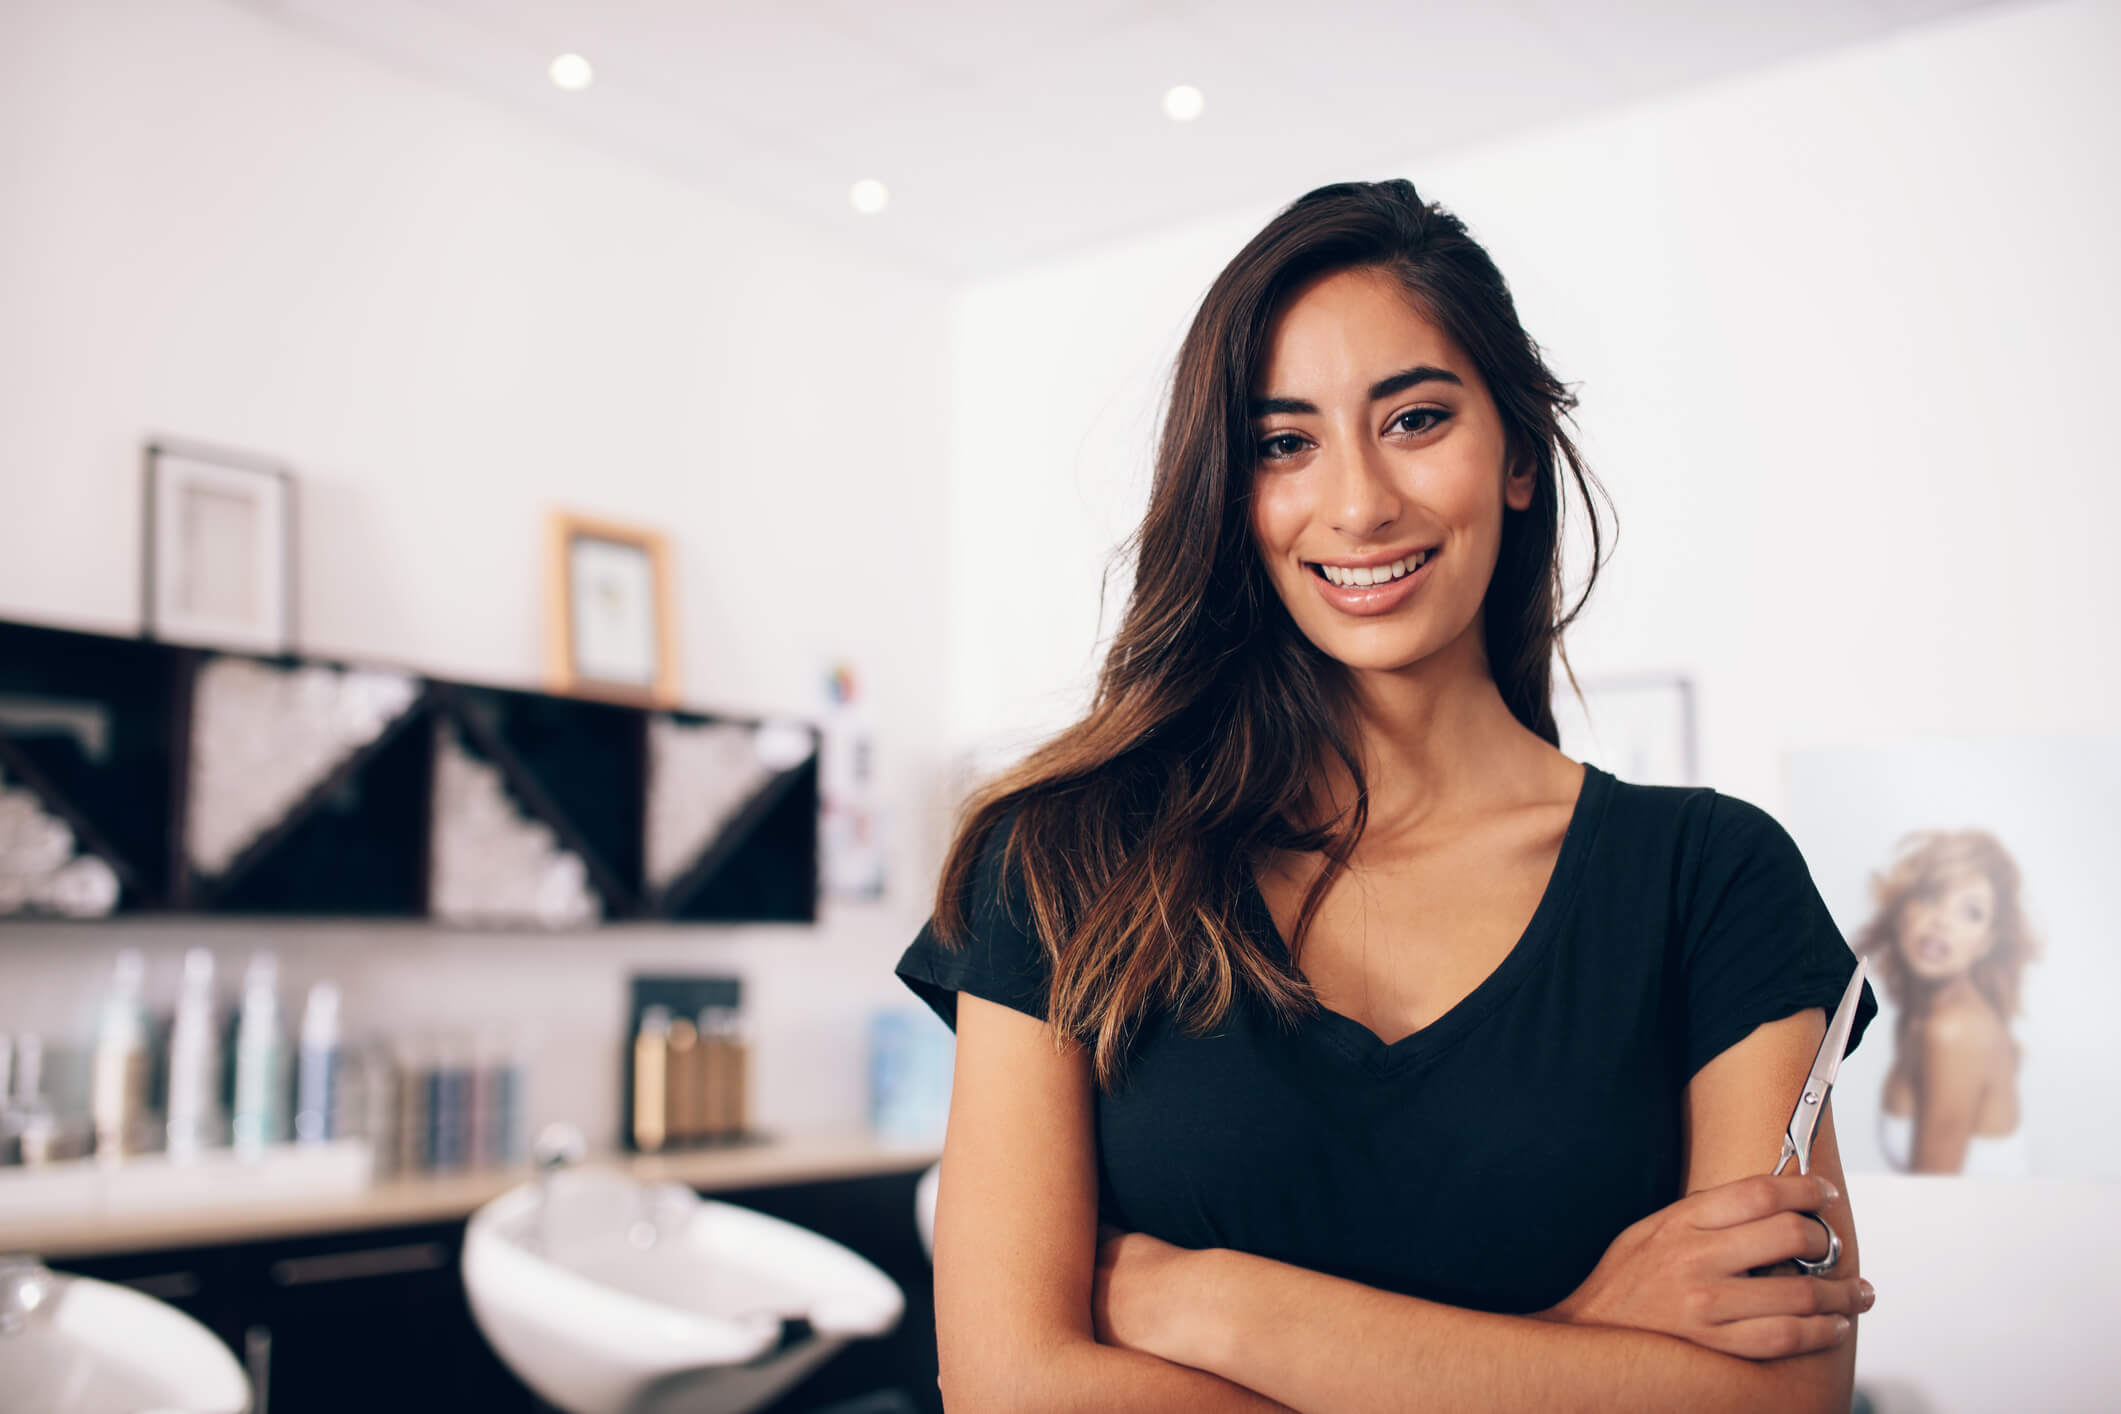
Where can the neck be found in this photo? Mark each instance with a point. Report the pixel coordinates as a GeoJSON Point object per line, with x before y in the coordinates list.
{"type": "Point", "coordinates": [1436, 741]}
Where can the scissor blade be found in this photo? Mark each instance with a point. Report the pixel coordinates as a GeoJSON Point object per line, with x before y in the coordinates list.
{"type": "Point", "coordinates": [1825, 1066]}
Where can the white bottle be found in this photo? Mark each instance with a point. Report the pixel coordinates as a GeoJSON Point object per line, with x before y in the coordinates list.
{"type": "Point", "coordinates": [317, 1067]}
{"type": "Point", "coordinates": [118, 1093]}
{"type": "Point", "coordinates": [260, 1111]}
{"type": "Point", "coordinates": [195, 1118]}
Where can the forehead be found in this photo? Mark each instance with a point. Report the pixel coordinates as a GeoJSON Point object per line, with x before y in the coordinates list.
{"type": "Point", "coordinates": [1339, 332]}
{"type": "Point", "coordinates": [1964, 883]}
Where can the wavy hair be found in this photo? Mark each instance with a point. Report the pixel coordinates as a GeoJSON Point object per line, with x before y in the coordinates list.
{"type": "Point", "coordinates": [1135, 831]}
{"type": "Point", "coordinates": [1925, 861]}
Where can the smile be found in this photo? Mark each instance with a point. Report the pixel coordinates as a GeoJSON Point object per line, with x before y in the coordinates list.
{"type": "Point", "coordinates": [1371, 590]}
{"type": "Point", "coordinates": [1361, 576]}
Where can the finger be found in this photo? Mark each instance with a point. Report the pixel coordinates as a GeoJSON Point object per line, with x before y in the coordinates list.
{"type": "Point", "coordinates": [1750, 1199]}
{"type": "Point", "coordinates": [1775, 1238]}
{"type": "Point", "coordinates": [1785, 1296]}
{"type": "Point", "coordinates": [1778, 1337]}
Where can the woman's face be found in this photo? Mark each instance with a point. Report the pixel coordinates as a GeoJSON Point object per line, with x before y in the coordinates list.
{"type": "Point", "coordinates": [1376, 444]}
{"type": "Point", "coordinates": [1948, 926]}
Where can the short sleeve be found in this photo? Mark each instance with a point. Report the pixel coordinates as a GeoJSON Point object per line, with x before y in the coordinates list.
{"type": "Point", "coordinates": [1002, 960]}
{"type": "Point", "coordinates": [1759, 942]}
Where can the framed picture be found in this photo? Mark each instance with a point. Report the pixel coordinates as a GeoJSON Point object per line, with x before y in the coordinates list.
{"type": "Point", "coordinates": [218, 549]}
{"type": "Point", "coordinates": [1640, 727]}
{"type": "Point", "coordinates": [611, 630]}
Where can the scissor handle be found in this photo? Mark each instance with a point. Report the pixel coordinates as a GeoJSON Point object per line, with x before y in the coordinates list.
{"type": "Point", "coordinates": [1833, 1251]}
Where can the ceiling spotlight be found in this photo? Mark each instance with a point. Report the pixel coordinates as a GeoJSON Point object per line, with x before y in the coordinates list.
{"type": "Point", "coordinates": [1183, 103]}
{"type": "Point", "coordinates": [572, 72]}
{"type": "Point", "coordinates": [868, 196]}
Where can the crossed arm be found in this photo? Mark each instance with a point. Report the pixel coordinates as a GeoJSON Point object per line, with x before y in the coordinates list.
{"type": "Point", "coordinates": [1029, 1316]}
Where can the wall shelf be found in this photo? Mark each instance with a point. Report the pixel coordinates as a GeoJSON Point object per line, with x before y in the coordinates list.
{"type": "Point", "coordinates": [225, 784]}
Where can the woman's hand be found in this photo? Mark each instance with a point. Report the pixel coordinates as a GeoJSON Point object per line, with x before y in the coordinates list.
{"type": "Point", "coordinates": [1135, 1299]}
{"type": "Point", "coordinates": [1683, 1271]}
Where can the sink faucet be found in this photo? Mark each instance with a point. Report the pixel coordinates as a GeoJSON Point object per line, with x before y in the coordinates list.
{"type": "Point", "coordinates": [26, 1290]}
{"type": "Point", "coordinates": [558, 1145]}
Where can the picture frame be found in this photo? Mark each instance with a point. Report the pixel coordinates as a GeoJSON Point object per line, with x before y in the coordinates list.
{"type": "Point", "coordinates": [611, 633]}
{"type": "Point", "coordinates": [217, 548]}
{"type": "Point", "coordinates": [1639, 726]}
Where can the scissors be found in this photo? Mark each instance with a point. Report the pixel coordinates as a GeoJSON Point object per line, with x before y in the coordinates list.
{"type": "Point", "coordinates": [1804, 1120]}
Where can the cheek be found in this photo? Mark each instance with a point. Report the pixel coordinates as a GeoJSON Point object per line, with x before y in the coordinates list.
{"type": "Point", "coordinates": [1277, 518]}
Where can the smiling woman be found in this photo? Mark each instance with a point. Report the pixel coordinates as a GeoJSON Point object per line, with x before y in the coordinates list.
{"type": "Point", "coordinates": [1322, 1028]}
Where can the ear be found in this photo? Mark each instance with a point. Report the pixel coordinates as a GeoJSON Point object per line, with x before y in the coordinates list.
{"type": "Point", "coordinates": [1519, 484]}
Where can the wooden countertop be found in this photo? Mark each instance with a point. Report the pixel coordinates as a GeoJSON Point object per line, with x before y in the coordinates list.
{"type": "Point", "coordinates": [410, 1199]}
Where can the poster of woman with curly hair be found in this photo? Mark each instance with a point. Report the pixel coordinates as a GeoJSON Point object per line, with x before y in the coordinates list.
{"type": "Point", "coordinates": [1970, 876]}
{"type": "Point", "coordinates": [1948, 938]}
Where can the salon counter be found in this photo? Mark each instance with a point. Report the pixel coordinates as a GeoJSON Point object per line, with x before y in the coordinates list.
{"type": "Point", "coordinates": [404, 1200]}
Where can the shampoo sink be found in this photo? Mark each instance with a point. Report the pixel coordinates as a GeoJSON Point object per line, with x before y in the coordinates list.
{"type": "Point", "coordinates": [70, 1345]}
{"type": "Point", "coordinates": [608, 1296]}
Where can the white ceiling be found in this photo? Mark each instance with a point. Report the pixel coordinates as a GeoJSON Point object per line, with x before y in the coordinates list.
{"type": "Point", "coordinates": [1010, 131]}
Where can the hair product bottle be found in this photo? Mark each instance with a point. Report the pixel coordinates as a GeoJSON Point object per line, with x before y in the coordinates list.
{"type": "Point", "coordinates": [195, 1119]}
{"type": "Point", "coordinates": [651, 1076]}
{"type": "Point", "coordinates": [681, 1110]}
{"type": "Point", "coordinates": [319, 1067]}
{"type": "Point", "coordinates": [118, 1085]}
{"type": "Point", "coordinates": [731, 1070]}
{"type": "Point", "coordinates": [259, 1115]}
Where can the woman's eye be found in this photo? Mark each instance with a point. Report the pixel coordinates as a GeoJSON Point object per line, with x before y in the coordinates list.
{"type": "Point", "coordinates": [1288, 444]}
{"type": "Point", "coordinates": [1401, 421]}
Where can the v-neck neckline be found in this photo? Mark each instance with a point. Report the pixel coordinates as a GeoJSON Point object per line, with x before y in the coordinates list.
{"type": "Point", "coordinates": [1347, 1034]}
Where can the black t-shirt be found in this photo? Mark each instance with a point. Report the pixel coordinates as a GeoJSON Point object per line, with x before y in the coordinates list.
{"type": "Point", "coordinates": [1487, 1160]}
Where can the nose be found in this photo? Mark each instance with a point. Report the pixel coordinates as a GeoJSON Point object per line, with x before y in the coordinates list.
{"type": "Point", "coordinates": [1362, 498]}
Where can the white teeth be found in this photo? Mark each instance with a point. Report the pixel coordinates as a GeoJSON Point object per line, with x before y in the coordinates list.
{"type": "Point", "coordinates": [1381, 574]}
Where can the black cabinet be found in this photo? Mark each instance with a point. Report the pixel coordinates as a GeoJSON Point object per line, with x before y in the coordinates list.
{"type": "Point", "coordinates": [212, 782]}
{"type": "Point", "coordinates": [377, 1319]}
{"type": "Point", "coordinates": [348, 1322]}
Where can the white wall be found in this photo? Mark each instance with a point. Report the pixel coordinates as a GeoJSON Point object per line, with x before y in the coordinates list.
{"type": "Point", "coordinates": [1842, 332]}
{"type": "Point", "coordinates": [447, 320]}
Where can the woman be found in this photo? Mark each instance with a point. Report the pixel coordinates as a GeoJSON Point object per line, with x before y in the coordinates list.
{"type": "Point", "coordinates": [1535, 1005]}
{"type": "Point", "coordinates": [1951, 942]}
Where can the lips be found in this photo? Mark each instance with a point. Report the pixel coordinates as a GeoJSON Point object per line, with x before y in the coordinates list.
{"type": "Point", "coordinates": [1367, 601]}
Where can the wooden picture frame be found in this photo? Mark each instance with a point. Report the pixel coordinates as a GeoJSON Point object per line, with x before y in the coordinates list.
{"type": "Point", "coordinates": [217, 549]}
{"type": "Point", "coordinates": [610, 631]}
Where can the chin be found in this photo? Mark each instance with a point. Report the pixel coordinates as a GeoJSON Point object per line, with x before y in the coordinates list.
{"type": "Point", "coordinates": [1377, 657]}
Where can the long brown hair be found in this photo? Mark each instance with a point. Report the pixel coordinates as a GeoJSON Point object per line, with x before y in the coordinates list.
{"type": "Point", "coordinates": [1135, 830]}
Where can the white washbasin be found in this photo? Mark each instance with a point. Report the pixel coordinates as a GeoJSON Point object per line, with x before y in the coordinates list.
{"type": "Point", "coordinates": [606, 1295]}
{"type": "Point", "coordinates": [73, 1345]}
{"type": "Point", "coordinates": [924, 1207]}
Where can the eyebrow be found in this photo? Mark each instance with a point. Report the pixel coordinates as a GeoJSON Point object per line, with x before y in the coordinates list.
{"type": "Point", "coordinates": [1382, 388]}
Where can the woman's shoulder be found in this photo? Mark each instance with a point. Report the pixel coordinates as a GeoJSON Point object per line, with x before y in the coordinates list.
{"type": "Point", "coordinates": [1677, 823]}
{"type": "Point", "coordinates": [1960, 1018]}
{"type": "Point", "coordinates": [1701, 820]}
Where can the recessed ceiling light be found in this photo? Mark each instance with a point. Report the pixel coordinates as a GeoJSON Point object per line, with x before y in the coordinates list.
{"type": "Point", "coordinates": [1183, 103]}
{"type": "Point", "coordinates": [572, 72]}
{"type": "Point", "coordinates": [868, 196]}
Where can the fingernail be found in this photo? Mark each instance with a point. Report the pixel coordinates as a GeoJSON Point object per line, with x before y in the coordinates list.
{"type": "Point", "coordinates": [1841, 1328]}
{"type": "Point", "coordinates": [1866, 1295]}
{"type": "Point", "coordinates": [1833, 1194]}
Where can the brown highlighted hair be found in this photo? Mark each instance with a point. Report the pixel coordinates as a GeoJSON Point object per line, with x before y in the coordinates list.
{"type": "Point", "coordinates": [1928, 860]}
{"type": "Point", "coordinates": [1135, 830]}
